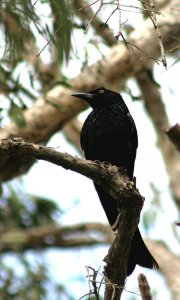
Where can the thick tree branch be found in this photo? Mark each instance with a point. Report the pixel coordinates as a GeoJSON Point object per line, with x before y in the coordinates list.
{"type": "Point", "coordinates": [83, 235]}
{"type": "Point", "coordinates": [72, 132]}
{"type": "Point", "coordinates": [51, 112]}
{"type": "Point", "coordinates": [169, 265]}
{"type": "Point", "coordinates": [54, 236]}
{"type": "Point", "coordinates": [153, 104]}
{"type": "Point", "coordinates": [116, 269]}
{"type": "Point", "coordinates": [113, 179]}
{"type": "Point", "coordinates": [72, 129]}
{"type": "Point", "coordinates": [42, 120]}
{"type": "Point", "coordinates": [156, 110]}
{"type": "Point", "coordinates": [115, 182]}
{"type": "Point", "coordinates": [173, 134]}
{"type": "Point", "coordinates": [87, 15]}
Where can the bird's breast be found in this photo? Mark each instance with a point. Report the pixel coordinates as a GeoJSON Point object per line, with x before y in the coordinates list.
{"type": "Point", "coordinates": [110, 135]}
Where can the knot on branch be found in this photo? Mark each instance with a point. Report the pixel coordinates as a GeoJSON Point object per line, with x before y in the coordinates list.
{"type": "Point", "coordinates": [173, 134]}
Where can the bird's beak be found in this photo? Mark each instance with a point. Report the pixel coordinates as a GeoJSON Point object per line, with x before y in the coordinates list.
{"type": "Point", "coordinates": [85, 96]}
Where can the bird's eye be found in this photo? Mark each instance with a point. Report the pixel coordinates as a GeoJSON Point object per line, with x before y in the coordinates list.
{"type": "Point", "coordinates": [101, 91]}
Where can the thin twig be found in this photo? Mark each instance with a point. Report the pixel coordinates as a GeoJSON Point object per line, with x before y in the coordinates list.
{"type": "Point", "coordinates": [89, 23]}
{"type": "Point", "coordinates": [84, 7]}
{"type": "Point", "coordinates": [48, 42]}
{"type": "Point", "coordinates": [152, 16]}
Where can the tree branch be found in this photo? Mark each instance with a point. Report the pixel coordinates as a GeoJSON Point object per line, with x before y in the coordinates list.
{"type": "Point", "coordinates": [116, 268]}
{"type": "Point", "coordinates": [72, 132]}
{"type": "Point", "coordinates": [169, 265]}
{"type": "Point", "coordinates": [50, 113]}
{"type": "Point", "coordinates": [153, 104]}
{"type": "Point", "coordinates": [144, 287]}
{"type": "Point", "coordinates": [115, 182]}
{"type": "Point", "coordinates": [156, 110]}
{"type": "Point", "coordinates": [113, 179]}
{"type": "Point", "coordinates": [173, 134]}
{"type": "Point", "coordinates": [54, 236]}
{"type": "Point", "coordinates": [87, 15]}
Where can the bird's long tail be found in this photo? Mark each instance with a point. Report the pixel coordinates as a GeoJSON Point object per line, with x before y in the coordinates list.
{"type": "Point", "coordinates": [139, 253]}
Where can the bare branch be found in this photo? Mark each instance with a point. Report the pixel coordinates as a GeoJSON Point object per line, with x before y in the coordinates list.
{"type": "Point", "coordinates": [114, 278]}
{"type": "Point", "coordinates": [156, 110]}
{"type": "Point", "coordinates": [72, 132]}
{"type": "Point", "coordinates": [144, 287]}
{"type": "Point", "coordinates": [113, 179]}
{"type": "Point", "coordinates": [50, 113]}
{"type": "Point", "coordinates": [152, 16]}
{"type": "Point", "coordinates": [92, 281]}
{"type": "Point", "coordinates": [169, 265]}
{"type": "Point", "coordinates": [47, 236]}
{"type": "Point", "coordinates": [88, 14]}
{"type": "Point", "coordinates": [114, 182]}
{"type": "Point", "coordinates": [174, 135]}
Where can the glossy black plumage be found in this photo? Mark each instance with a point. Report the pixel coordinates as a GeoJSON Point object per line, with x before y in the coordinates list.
{"type": "Point", "coordinates": [109, 134]}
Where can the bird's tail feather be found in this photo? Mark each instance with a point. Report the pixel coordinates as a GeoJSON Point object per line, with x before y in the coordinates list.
{"type": "Point", "coordinates": [139, 254]}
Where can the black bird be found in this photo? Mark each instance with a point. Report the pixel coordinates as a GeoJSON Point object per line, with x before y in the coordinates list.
{"type": "Point", "coordinates": [109, 134]}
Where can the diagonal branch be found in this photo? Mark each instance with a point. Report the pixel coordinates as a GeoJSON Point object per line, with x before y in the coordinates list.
{"type": "Point", "coordinates": [173, 134]}
{"type": "Point", "coordinates": [52, 111]}
{"type": "Point", "coordinates": [169, 265]}
{"type": "Point", "coordinates": [72, 133]}
{"type": "Point", "coordinates": [115, 182]}
{"type": "Point", "coordinates": [87, 15]}
{"type": "Point", "coordinates": [156, 110]}
{"type": "Point", "coordinates": [153, 104]}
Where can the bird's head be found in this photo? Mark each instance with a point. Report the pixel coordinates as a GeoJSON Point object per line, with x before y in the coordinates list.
{"type": "Point", "coordinates": [98, 98]}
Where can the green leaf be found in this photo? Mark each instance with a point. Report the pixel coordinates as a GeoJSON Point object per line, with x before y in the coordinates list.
{"type": "Point", "coordinates": [16, 114]}
{"type": "Point", "coordinates": [62, 28]}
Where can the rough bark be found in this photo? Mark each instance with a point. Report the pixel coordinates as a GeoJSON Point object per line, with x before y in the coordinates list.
{"type": "Point", "coordinates": [114, 182]}
{"type": "Point", "coordinates": [116, 268]}
{"type": "Point", "coordinates": [113, 179]}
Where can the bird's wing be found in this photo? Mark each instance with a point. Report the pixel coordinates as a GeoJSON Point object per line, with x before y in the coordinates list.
{"type": "Point", "coordinates": [110, 139]}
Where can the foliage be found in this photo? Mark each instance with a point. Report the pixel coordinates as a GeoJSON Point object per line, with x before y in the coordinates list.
{"type": "Point", "coordinates": [27, 282]}
{"type": "Point", "coordinates": [39, 38]}
{"type": "Point", "coordinates": [20, 278]}
{"type": "Point", "coordinates": [23, 24]}
{"type": "Point", "coordinates": [19, 210]}
{"type": "Point", "coordinates": [17, 19]}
